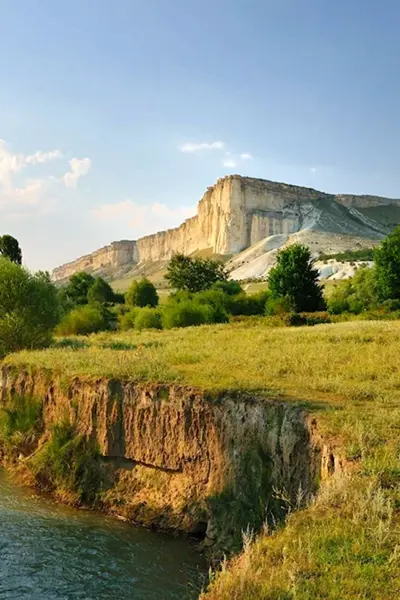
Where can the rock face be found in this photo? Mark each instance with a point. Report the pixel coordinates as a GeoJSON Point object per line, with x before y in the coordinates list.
{"type": "Point", "coordinates": [238, 212]}
{"type": "Point", "coordinates": [179, 459]}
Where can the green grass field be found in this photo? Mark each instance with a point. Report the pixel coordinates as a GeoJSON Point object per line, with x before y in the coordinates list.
{"type": "Point", "coordinates": [346, 545]}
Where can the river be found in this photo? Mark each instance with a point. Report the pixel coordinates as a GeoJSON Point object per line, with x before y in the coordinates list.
{"type": "Point", "coordinates": [53, 552]}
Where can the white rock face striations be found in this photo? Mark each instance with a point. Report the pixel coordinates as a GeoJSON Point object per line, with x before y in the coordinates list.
{"type": "Point", "coordinates": [238, 212]}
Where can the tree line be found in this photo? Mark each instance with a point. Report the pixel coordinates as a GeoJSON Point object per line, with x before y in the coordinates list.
{"type": "Point", "coordinates": [32, 308]}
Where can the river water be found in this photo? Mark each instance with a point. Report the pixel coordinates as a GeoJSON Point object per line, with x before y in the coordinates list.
{"type": "Point", "coordinates": [53, 552]}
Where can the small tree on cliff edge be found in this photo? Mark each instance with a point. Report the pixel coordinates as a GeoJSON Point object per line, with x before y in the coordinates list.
{"type": "Point", "coordinates": [194, 274]}
{"type": "Point", "coordinates": [295, 278]}
{"type": "Point", "coordinates": [9, 248]}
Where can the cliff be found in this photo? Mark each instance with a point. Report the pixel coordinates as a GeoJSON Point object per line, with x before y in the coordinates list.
{"type": "Point", "coordinates": [177, 459]}
{"type": "Point", "coordinates": [238, 212]}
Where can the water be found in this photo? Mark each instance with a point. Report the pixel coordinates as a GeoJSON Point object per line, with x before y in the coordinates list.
{"type": "Point", "coordinates": [52, 552]}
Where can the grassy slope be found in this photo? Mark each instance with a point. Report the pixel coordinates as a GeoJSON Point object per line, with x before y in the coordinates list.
{"type": "Point", "coordinates": [347, 544]}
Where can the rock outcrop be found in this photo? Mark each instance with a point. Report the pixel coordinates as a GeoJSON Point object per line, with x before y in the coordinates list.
{"type": "Point", "coordinates": [238, 212]}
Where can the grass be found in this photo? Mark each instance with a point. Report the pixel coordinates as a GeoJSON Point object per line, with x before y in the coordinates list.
{"type": "Point", "coordinates": [346, 545]}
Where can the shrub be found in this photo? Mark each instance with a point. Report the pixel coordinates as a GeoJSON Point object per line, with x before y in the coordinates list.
{"type": "Point", "coordinates": [69, 462]}
{"type": "Point", "coordinates": [29, 308]}
{"type": "Point", "coordinates": [142, 293]}
{"type": "Point", "coordinates": [254, 304]}
{"type": "Point", "coordinates": [126, 320]}
{"type": "Point", "coordinates": [355, 295]}
{"type": "Point", "coordinates": [279, 306]}
{"type": "Point", "coordinates": [82, 321]}
{"type": "Point", "coordinates": [315, 318]}
{"type": "Point", "coordinates": [230, 287]}
{"type": "Point", "coordinates": [148, 318]}
{"type": "Point", "coordinates": [185, 314]}
{"type": "Point", "coordinates": [20, 423]}
{"type": "Point", "coordinates": [295, 277]}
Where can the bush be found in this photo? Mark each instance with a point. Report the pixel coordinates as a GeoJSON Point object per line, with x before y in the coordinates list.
{"type": "Point", "coordinates": [185, 314]}
{"type": "Point", "coordinates": [20, 424]}
{"type": "Point", "coordinates": [142, 293]}
{"type": "Point", "coordinates": [82, 321]}
{"type": "Point", "coordinates": [29, 308]}
{"type": "Point", "coordinates": [231, 287]}
{"type": "Point", "coordinates": [315, 318]}
{"type": "Point", "coordinates": [279, 306]}
{"type": "Point", "coordinates": [355, 295]}
{"type": "Point", "coordinates": [242, 304]}
{"type": "Point", "coordinates": [148, 318]}
{"type": "Point", "coordinates": [69, 463]}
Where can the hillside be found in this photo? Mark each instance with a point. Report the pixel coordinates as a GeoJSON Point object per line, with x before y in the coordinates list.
{"type": "Point", "coordinates": [250, 219]}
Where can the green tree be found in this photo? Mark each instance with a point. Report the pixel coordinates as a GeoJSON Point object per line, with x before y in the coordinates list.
{"type": "Point", "coordinates": [387, 267]}
{"type": "Point", "coordinates": [100, 291]}
{"type": "Point", "coordinates": [76, 291]}
{"type": "Point", "coordinates": [142, 293]}
{"type": "Point", "coordinates": [29, 308]}
{"type": "Point", "coordinates": [295, 278]}
{"type": "Point", "coordinates": [194, 274]}
{"type": "Point", "coordinates": [9, 248]}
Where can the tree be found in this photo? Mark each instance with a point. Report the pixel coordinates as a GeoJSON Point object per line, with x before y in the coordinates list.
{"type": "Point", "coordinates": [295, 279]}
{"type": "Point", "coordinates": [100, 291]}
{"type": "Point", "coordinates": [9, 248]}
{"type": "Point", "coordinates": [387, 267]}
{"type": "Point", "coordinates": [76, 291]}
{"type": "Point", "coordinates": [194, 274]}
{"type": "Point", "coordinates": [29, 308]}
{"type": "Point", "coordinates": [142, 293]}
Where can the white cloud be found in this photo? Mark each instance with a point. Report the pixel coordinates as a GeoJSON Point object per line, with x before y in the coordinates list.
{"type": "Point", "coordinates": [43, 157]}
{"type": "Point", "coordinates": [191, 147]}
{"type": "Point", "coordinates": [313, 169]}
{"type": "Point", "coordinates": [11, 164]}
{"type": "Point", "coordinates": [246, 156]}
{"type": "Point", "coordinates": [229, 163]}
{"type": "Point", "coordinates": [145, 219]}
{"type": "Point", "coordinates": [20, 195]}
{"type": "Point", "coordinates": [79, 168]}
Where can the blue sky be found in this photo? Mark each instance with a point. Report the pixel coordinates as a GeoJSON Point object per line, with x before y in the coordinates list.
{"type": "Point", "coordinates": [115, 116]}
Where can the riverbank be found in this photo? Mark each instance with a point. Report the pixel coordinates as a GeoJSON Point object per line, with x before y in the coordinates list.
{"type": "Point", "coordinates": [342, 383]}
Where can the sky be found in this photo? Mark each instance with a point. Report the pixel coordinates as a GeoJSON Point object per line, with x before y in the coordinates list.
{"type": "Point", "coordinates": [115, 116]}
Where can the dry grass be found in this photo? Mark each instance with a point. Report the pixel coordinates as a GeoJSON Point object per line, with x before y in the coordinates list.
{"type": "Point", "coordinates": [347, 544]}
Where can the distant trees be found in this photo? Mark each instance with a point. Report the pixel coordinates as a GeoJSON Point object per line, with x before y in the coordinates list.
{"type": "Point", "coordinates": [29, 308]}
{"type": "Point", "coordinates": [100, 291]}
{"type": "Point", "coordinates": [194, 274]}
{"type": "Point", "coordinates": [142, 293]}
{"type": "Point", "coordinates": [76, 291]}
{"type": "Point", "coordinates": [294, 280]}
{"type": "Point", "coordinates": [387, 267]}
{"type": "Point", "coordinates": [9, 248]}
